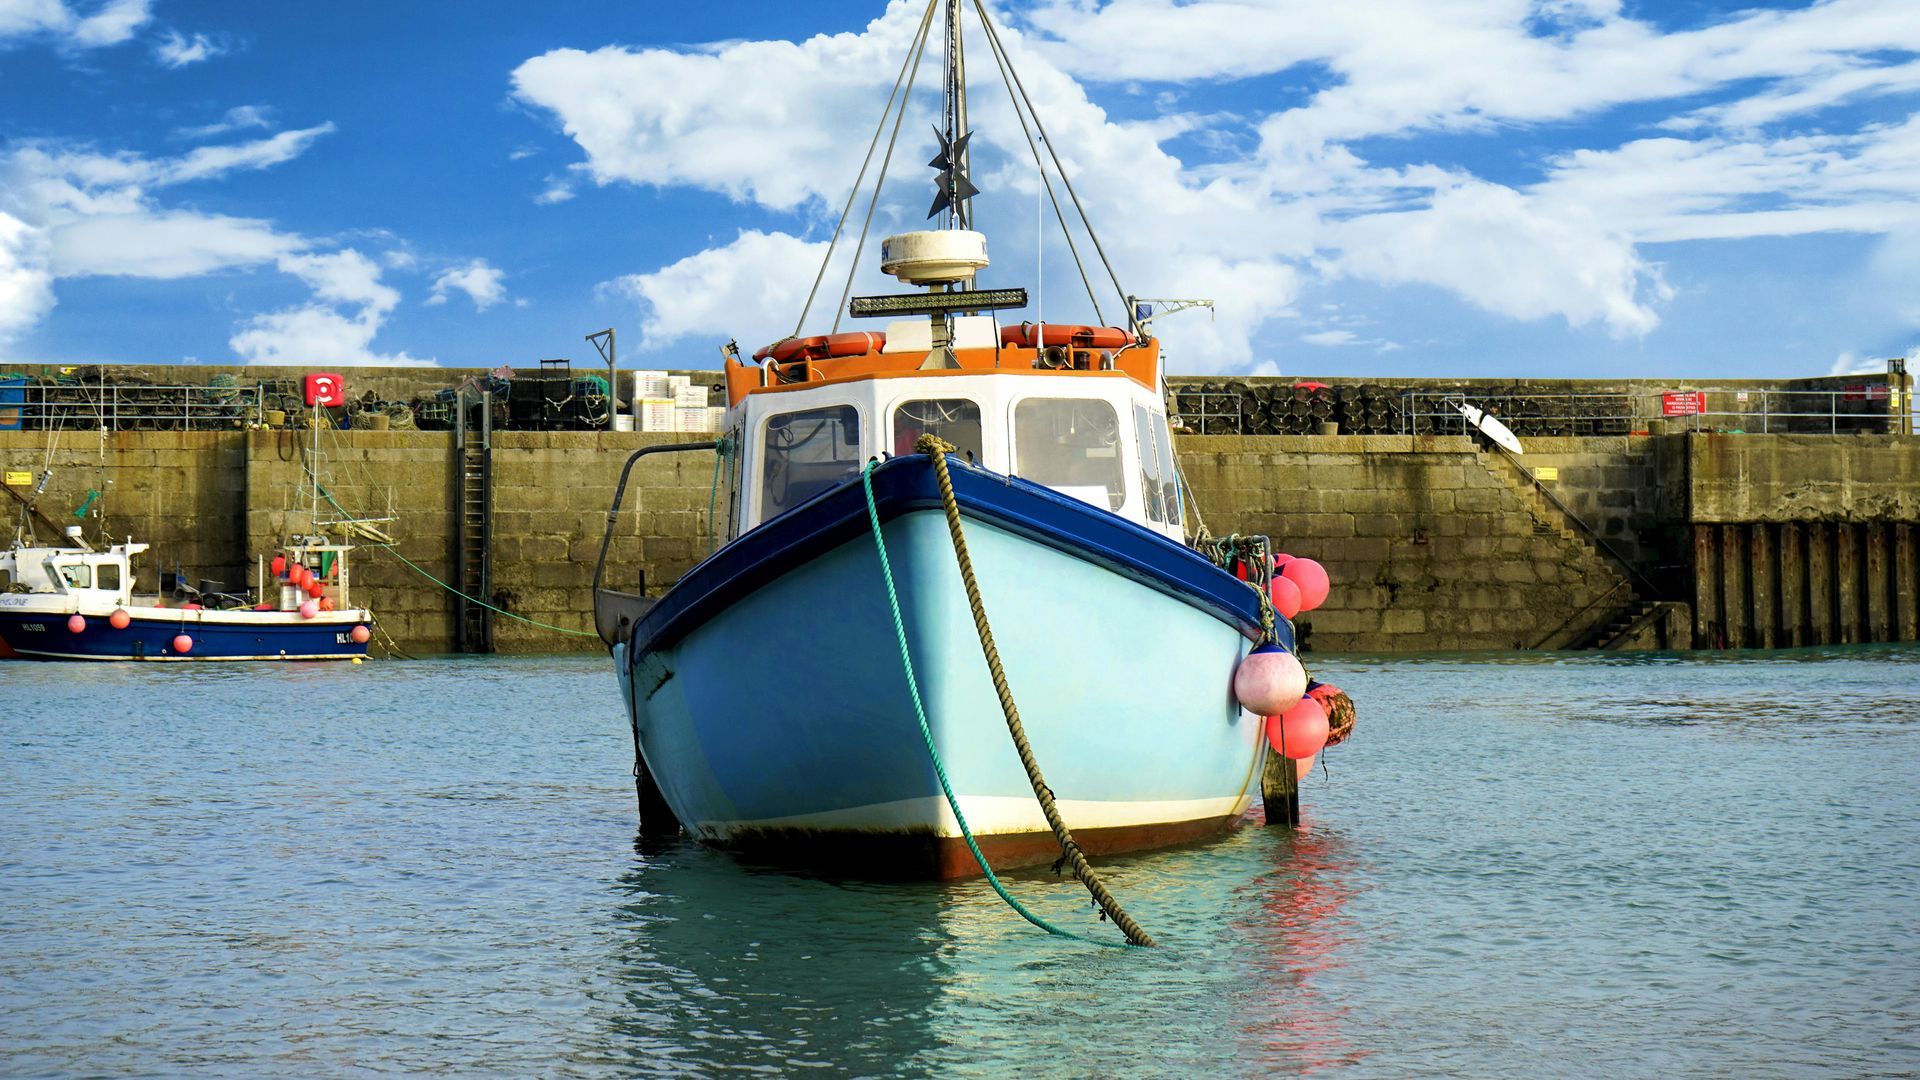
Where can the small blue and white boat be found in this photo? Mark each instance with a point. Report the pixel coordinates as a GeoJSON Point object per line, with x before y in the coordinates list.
{"type": "Point", "coordinates": [77, 603]}
{"type": "Point", "coordinates": [768, 692]}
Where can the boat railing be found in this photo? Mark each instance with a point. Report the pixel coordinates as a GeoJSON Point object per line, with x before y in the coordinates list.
{"type": "Point", "coordinates": [616, 612]}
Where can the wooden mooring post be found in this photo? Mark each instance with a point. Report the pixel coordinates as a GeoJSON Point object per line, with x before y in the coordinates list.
{"type": "Point", "coordinates": [1280, 789]}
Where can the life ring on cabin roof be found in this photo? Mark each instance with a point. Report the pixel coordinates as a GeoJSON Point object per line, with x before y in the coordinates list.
{"type": "Point", "coordinates": [1027, 334]}
{"type": "Point", "coordinates": [823, 347]}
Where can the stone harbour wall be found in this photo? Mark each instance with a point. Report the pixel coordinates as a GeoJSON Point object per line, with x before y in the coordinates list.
{"type": "Point", "coordinates": [1433, 543]}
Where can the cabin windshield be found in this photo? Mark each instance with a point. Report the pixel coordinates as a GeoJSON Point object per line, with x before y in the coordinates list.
{"type": "Point", "coordinates": [79, 576]}
{"type": "Point", "coordinates": [956, 420]}
{"type": "Point", "coordinates": [805, 454]}
{"type": "Point", "coordinates": [1071, 445]}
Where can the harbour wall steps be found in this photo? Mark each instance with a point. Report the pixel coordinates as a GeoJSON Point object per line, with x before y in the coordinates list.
{"type": "Point", "coordinates": [1433, 541]}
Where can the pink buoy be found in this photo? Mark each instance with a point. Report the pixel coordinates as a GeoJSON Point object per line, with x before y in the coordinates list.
{"type": "Point", "coordinates": [1280, 562]}
{"type": "Point", "coordinates": [1269, 680]}
{"type": "Point", "coordinates": [1300, 732]}
{"type": "Point", "coordinates": [76, 623]}
{"type": "Point", "coordinates": [360, 635]}
{"type": "Point", "coordinates": [309, 608]}
{"type": "Point", "coordinates": [119, 620]}
{"type": "Point", "coordinates": [182, 643]}
{"type": "Point", "coordinates": [1311, 577]}
{"type": "Point", "coordinates": [1286, 596]}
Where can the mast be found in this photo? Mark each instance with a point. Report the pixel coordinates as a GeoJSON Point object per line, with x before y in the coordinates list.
{"type": "Point", "coordinates": [959, 214]}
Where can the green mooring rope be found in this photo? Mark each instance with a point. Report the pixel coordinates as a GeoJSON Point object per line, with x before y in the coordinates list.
{"type": "Point", "coordinates": [418, 569]}
{"type": "Point", "coordinates": [926, 733]}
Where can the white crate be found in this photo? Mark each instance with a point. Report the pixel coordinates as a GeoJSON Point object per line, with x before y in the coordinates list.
{"type": "Point", "coordinates": [677, 383]}
{"type": "Point", "coordinates": [650, 384]}
{"type": "Point", "coordinates": [693, 418]}
{"type": "Point", "coordinates": [690, 397]}
{"type": "Point", "coordinates": [657, 414]}
{"type": "Point", "coordinates": [716, 418]}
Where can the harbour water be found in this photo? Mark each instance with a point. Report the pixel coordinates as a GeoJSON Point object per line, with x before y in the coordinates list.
{"type": "Point", "coordinates": [1525, 865]}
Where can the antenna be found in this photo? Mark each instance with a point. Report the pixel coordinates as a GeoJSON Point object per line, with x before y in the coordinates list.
{"type": "Point", "coordinates": [1144, 313]}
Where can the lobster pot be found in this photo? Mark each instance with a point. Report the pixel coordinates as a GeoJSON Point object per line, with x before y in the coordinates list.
{"type": "Point", "coordinates": [692, 418]}
{"type": "Point", "coordinates": [657, 414]}
{"type": "Point", "coordinates": [650, 384]}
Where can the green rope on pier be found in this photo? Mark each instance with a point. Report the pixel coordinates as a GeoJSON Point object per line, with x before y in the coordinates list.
{"type": "Point", "coordinates": [926, 733]}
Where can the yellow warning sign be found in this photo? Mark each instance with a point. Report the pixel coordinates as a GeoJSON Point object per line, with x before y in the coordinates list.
{"type": "Point", "coordinates": [1547, 472]}
{"type": "Point", "coordinates": [19, 479]}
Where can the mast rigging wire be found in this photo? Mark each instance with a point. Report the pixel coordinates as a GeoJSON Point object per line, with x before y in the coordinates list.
{"type": "Point", "coordinates": [926, 19]}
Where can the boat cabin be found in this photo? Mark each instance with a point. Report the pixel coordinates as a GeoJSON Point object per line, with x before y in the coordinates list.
{"type": "Point", "coordinates": [100, 576]}
{"type": "Point", "coordinates": [1076, 409]}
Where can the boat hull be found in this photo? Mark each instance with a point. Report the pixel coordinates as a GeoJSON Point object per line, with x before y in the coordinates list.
{"type": "Point", "coordinates": [782, 723]}
{"type": "Point", "coordinates": [32, 629]}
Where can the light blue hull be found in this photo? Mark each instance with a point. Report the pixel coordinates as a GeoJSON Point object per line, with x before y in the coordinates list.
{"type": "Point", "coordinates": [786, 717]}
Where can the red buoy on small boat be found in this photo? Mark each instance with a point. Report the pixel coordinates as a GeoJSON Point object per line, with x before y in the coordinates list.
{"type": "Point", "coordinates": [76, 623]}
{"type": "Point", "coordinates": [182, 643]}
{"type": "Point", "coordinates": [360, 635]}
{"type": "Point", "coordinates": [1286, 596]}
{"type": "Point", "coordinates": [1299, 732]}
{"type": "Point", "coordinates": [279, 565]}
{"type": "Point", "coordinates": [119, 620]}
{"type": "Point", "coordinates": [1312, 579]}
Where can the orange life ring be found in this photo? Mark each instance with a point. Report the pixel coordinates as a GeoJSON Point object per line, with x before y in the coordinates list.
{"type": "Point", "coordinates": [1079, 337]}
{"type": "Point", "coordinates": [822, 347]}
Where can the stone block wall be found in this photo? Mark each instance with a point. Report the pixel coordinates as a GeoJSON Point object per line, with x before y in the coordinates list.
{"type": "Point", "coordinates": [183, 493]}
{"type": "Point", "coordinates": [1428, 548]}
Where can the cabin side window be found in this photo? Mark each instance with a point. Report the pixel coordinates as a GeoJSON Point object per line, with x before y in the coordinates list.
{"type": "Point", "coordinates": [1169, 473]}
{"type": "Point", "coordinates": [108, 576]}
{"type": "Point", "coordinates": [1071, 445]}
{"type": "Point", "coordinates": [805, 453]}
{"type": "Point", "coordinates": [1149, 463]}
{"type": "Point", "coordinates": [956, 420]}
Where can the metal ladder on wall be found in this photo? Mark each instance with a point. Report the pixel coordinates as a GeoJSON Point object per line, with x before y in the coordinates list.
{"type": "Point", "coordinates": [473, 560]}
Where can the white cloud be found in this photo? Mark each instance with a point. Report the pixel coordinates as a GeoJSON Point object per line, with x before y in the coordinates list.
{"type": "Point", "coordinates": [320, 332]}
{"type": "Point", "coordinates": [177, 51]}
{"type": "Point", "coordinates": [104, 24]}
{"type": "Point", "coordinates": [26, 284]}
{"type": "Point", "coordinates": [1275, 201]}
{"type": "Point", "coordinates": [557, 192]}
{"type": "Point", "coordinates": [1330, 337]}
{"type": "Point", "coordinates": [238, 118]}
{"type": "Point", "coordinates": [164, 244]}
{"type": "Point", "coordinates": [751, 290]}
{"type": "Point", "coordinates": [485, 285]}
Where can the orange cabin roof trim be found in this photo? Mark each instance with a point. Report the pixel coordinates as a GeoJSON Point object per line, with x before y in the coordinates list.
{"type": "Point", "coordinates": [1141, 363]}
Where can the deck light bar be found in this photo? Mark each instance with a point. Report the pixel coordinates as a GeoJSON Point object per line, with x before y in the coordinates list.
{"type": "Point", "coordinates": [867, 307]}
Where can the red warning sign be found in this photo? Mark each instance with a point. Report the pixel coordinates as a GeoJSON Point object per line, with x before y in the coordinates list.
{"type": "Point", "coordinates": [1690, 403]}
{"type": "Point", "coordinates": [326, 388]}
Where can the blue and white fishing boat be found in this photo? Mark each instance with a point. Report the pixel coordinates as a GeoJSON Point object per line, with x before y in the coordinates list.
{"type": "Point", "coordinates": [76, 603]}
{"type": "Point", "coordinates": [768, 693]}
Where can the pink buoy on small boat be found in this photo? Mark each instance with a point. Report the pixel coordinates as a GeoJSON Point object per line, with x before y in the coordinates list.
{"type": "Point", "coordinates": [182, 643]}
{"type": "Point", "coordinates": [119, 620]}
{"type": "Point", "coordinates": [360, 635]}
{"type": "Point", "coordinates": [76, 623]}
{"type": "Point", "coordinates": [309, 608]}
{"type": "Point", "coordinates": [1269, 680]}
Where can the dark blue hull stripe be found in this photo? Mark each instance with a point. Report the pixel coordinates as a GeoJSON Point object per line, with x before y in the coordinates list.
{"type": "Point", "coordinates": [904, 485]}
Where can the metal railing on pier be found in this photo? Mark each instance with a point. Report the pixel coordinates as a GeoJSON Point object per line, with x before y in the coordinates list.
{"type": "Point", "coordinates": [117, 407]}
{"type": "Point", "coordinates": [1874, 409]}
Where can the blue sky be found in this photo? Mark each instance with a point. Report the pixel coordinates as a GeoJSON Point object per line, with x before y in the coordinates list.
{"type": "Point", "coordinates": [1482, 187]}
